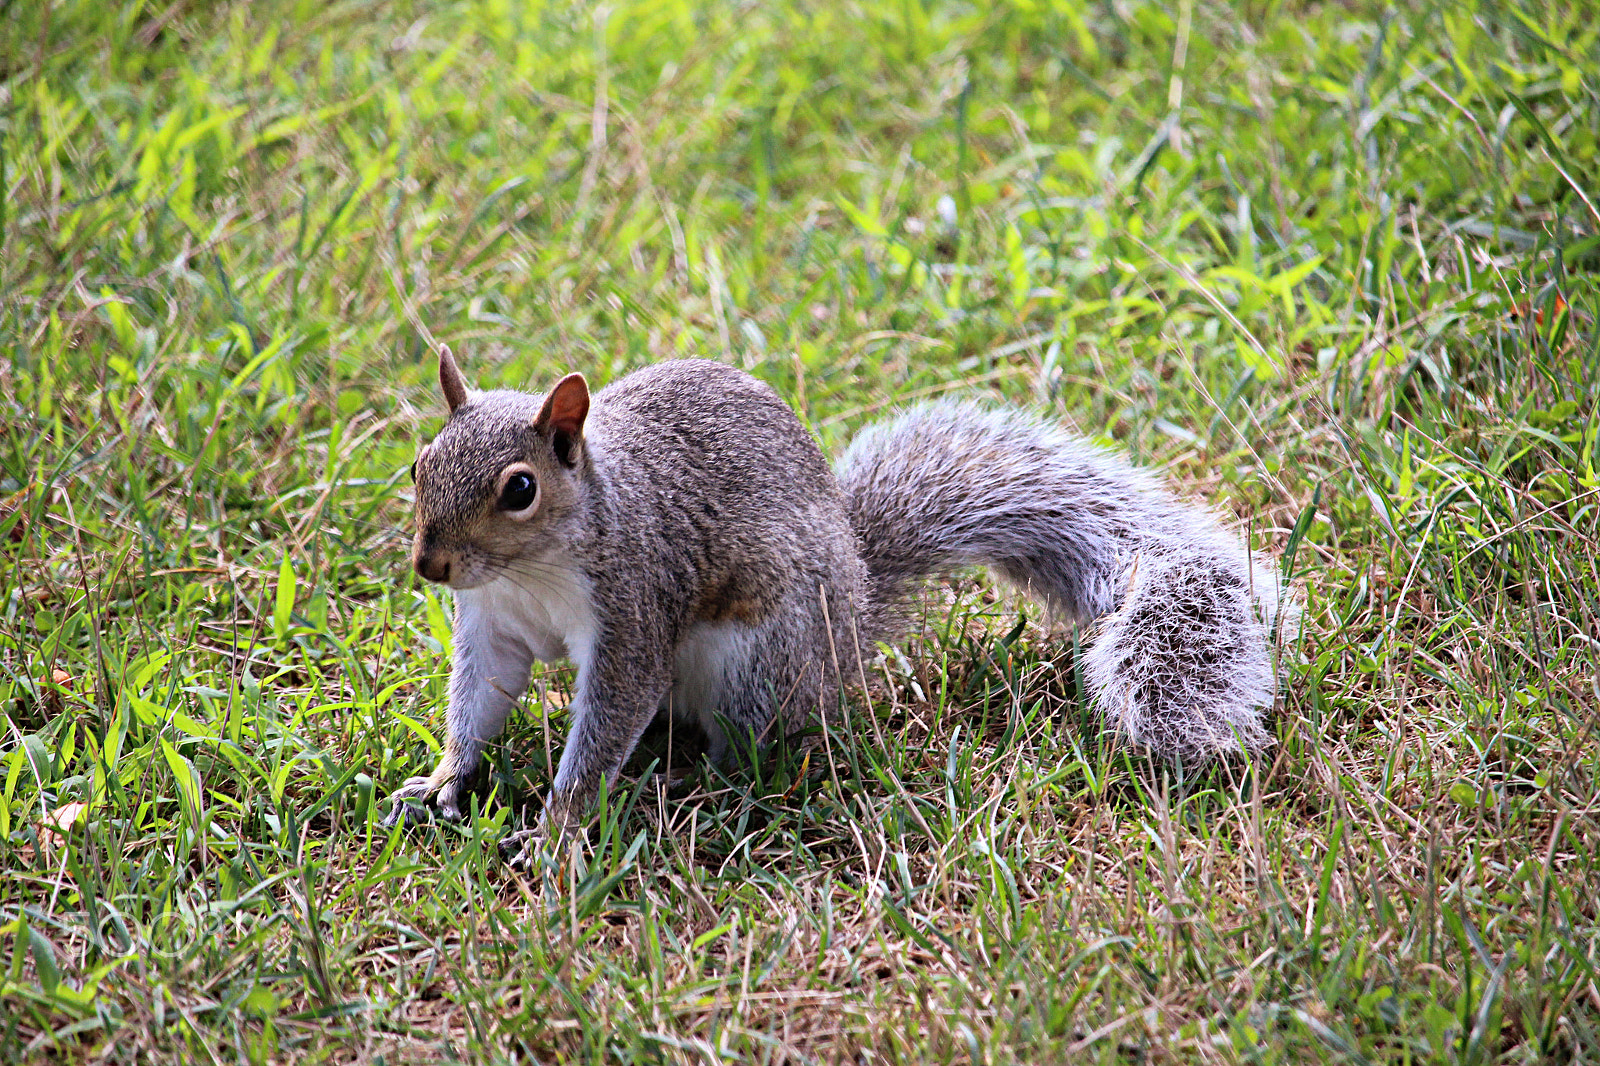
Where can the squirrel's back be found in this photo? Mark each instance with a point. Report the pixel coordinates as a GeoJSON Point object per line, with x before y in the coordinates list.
{"type": "Point", "coordinates": [729, 437]}
{"type": "Point", "coordinates": [715, 487]}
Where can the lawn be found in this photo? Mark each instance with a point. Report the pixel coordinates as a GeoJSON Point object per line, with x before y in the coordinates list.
{"type": "Point", "coordinates": [1331, 267]}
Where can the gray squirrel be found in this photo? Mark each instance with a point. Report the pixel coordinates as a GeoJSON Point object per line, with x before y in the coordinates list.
{"type": "Point", "coordinates": [681, 539]}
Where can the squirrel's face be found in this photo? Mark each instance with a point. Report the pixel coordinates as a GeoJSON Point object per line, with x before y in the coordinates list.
{"type": "Point", "coordinates": [494, 490]}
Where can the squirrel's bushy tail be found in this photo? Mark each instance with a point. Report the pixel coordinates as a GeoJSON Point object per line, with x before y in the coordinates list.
{"type": "Point", "coordinates": [1183, 663]}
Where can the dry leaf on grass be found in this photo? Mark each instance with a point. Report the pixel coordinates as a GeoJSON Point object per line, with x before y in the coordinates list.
{"type": "Point", "coordinates": [56, 826]}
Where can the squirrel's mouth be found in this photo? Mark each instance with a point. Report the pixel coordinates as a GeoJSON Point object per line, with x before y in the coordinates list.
{"type": "Point", "coordinates": [441, 566]}
{"type": "Point", "coordinates": [461, 578]}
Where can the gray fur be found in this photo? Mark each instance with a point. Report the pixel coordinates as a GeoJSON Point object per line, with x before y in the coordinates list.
{"type": "Point", "coordinates": [694, 551]}
{"type": "Point", "coordinates": [1182, 660]}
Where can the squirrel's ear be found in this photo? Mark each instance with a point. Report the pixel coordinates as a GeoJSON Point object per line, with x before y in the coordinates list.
{"type": "Point", "coordinates": [450, 379]}
{"type": "Point", "coordinates": [565, 408]}
{"type": "Point", "coordinates": [561, 417]}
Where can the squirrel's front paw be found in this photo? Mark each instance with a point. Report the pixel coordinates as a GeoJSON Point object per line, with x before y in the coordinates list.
{"type": "Point", "coordinates": [410, 802]}
{"type": "Point", "coordinates": [556, 823]}
{"type": "Point", "coordinates": [402, 805]}
{"type": "Point", "coordinates": [522, 848]}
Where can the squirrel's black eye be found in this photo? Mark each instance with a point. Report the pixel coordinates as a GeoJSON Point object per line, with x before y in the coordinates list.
{"type": "Point", "coordinates": [519, 492]}
{"type": "Point", "coordinates": [413, 471]}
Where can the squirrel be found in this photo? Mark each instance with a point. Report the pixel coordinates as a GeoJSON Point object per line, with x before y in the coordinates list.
{"type": "Point", "coordinates": [679, 536]}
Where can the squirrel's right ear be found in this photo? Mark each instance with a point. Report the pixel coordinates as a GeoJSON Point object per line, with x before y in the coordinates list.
{"type": "Point", "coordinates": [561, 417]}
{"type": "Point", "coordinates": [450, 379]}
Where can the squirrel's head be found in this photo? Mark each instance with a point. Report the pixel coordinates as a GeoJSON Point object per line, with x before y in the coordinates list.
{"type": "Point", "coordinates": [495, 485]}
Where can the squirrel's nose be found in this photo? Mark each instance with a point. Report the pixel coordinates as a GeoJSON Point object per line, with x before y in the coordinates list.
{"type": "Point", "coordinates": [433, 568]}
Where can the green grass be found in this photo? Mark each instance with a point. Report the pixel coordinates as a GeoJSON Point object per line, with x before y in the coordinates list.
{"type": "Point", "coordinates": [1330, 266]}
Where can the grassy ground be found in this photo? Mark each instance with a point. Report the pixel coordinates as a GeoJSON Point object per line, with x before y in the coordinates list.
{"type": "Point", "coordinates": [1332, 266]}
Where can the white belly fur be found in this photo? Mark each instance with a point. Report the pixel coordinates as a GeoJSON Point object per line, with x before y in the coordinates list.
{"type": "Point", "coordinates": [705, 657]}
{"type": "Point", "coordinates": [544, 606]}
{"type": "Point", "coordinates": [547, 609]}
